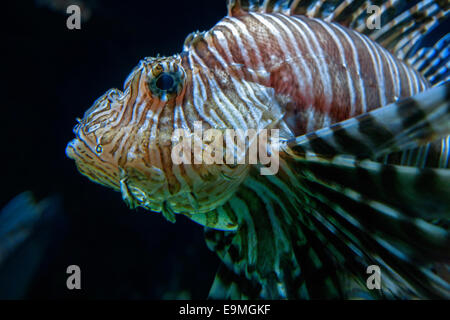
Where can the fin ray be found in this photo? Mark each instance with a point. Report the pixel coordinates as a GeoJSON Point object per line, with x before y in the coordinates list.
{"type": "Point", "coordinates": [406, 124]}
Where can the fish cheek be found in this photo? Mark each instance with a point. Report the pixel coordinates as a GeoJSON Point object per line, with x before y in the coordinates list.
{"type": "Point", "coordinates": [145, 186]}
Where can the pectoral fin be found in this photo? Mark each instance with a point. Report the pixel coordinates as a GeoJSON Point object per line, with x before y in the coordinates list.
{"type": "Point", "coordinates": [333, 210]}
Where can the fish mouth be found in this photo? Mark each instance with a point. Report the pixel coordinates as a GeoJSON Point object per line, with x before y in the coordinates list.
{"type": "Point", "coordinates": [87, 164]}
{"type": "Point", "coordinates": [81, 142]}
{"type": "Point", "coordinates": [70, 149]}
{"type": "Point", "coordinates": [73, 148]}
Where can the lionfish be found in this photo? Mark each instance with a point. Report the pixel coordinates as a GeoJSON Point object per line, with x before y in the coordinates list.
{"type": "Point", "coordinates": [363, 117]}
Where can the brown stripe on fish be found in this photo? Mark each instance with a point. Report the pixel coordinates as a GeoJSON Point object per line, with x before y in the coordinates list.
{"type": "Point", "coordinates": [253, 104]}
{"type": "Point", "coordinates": [290, 68]}
{"type": "Point", "coordinates": [323, 86]}
{"type": "Point", "coordinates": [128, 106]}
{"type": "Point", "coordinates": [277, 35]}
{"type": "Point", "coordinates": [347, 94]}
{"type": "Point", "coordinates": [220, 106]}
{"type": "Point", "coordinates": [432, 155]}
{"type": "Point", "coordinates": [348, 43]}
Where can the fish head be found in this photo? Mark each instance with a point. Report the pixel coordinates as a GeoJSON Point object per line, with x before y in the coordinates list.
{"type": "Point", "coordinates": [124, 141]}
{"type": "Point", "coordinates": [91, 149]}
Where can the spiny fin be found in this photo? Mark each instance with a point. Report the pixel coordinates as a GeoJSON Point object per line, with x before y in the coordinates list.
{"type": "Point", "coordinates": [273, 255]}
{"type": "Point", "coordinates": [403, 24]}
{"type": "Point", "coordinates": [228, 285]}
{"type": "Point", "coordinates": [304, 230]}
{"type": "Point", "coordinates": [383, 212]}
{"type": "Point", "coordinates": [406, 124]}
{"type": "Point", "coordinates": [433, 62]}
{"type": "Point", "coordinates": [330, 212]}
{"type": "Point", "coordinates": [416, 192]}
{"type": "Point", "coordinates": [340, 154]}
{"type": "Point", "coordinates": [434, 154]}
{"type": "Point", "coordinates": [309, 8]}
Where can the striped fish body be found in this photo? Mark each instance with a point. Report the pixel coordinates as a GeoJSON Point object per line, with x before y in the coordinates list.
{"type": "Point", "coordinates": [322, 73]}
{"type": "Point", "coordinates": [253, 71]}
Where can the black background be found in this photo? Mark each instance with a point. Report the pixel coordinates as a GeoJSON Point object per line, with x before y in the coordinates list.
{"type": "Point", "coordinates": [52, 76]}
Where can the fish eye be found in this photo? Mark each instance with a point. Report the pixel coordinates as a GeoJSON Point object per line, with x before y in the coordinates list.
{"type": "Point", "coordinates": [99, 149]}
{"type": "Point", "coordinates": [165, 82]}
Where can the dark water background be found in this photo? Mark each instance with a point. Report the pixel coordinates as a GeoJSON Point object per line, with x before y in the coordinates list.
{"type": "Point", "coordinates": [52, 76]}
